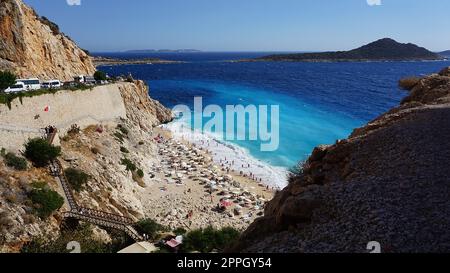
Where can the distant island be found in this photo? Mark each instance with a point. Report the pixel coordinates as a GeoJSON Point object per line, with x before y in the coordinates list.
{"type": "Point", "coordinates": [102, 61]}
{"type": "Point", "coordinates": [445, 53]}
{"type": "Point", "coordinates": [381, 50]}
{"type": "Point", "coordinates": [147, 51]}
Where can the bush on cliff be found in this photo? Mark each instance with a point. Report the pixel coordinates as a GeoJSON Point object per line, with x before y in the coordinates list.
{"type": "Point", "coordinates": [100, 76]}
{"type": "Point", "coordinates": [408, 83]}
{"type": "Point", "coordinates": [40, 152]}
{"type": "Point", "coordinates": [209, 239]}
{"type": "Point", "coordinates": [46, 201]}
{"type": "Point", "coordinates": [150, 228]}
{"type": "Point", "coordinates": [6, 79]}
{"type": "Point", "coordinates": [130, 166]}
{"type": "Point", "coordinates": [76, 178]}
{"type": "Point", "coordinates": [13, 161]}
{"type": "Point", "coordinates": [83, 234]}
{"type": "Point", "coordinates": [53, 27]}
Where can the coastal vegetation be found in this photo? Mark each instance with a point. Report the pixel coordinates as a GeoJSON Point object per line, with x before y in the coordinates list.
{"type": "Point", "coordinates": [130, 166]}
{"type": "Point", "coordinates": [124, 150]}
{"type": "Point", "coordinates": [209, 239]}
{"type": "Point", "coordinates": [6, 79]}
{"type": "Point", "coordinates": [16, 162]}
{"type": "Point", "coordinates": [408, 83]}
{"type": "Point", "coordinates": [45, 201]}
{"type": "Point", "coordinates": [82, 234]}
{"type": "Point", "coordinates": [40, 152]}
{"type": "Point", "coordinates": [8, 98]}
{"type": "Point", "coordinates": [150, 228]}
{"type": "Point", "coordinates": [76, 178]}
{"type": "Point", "coordinates": [53, 26]}
{"type": "Point", "coordinates": [100, 76]}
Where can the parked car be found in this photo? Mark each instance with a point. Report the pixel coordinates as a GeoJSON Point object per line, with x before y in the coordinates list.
{"type": "Point", "coordinates": [53, 84]}
{"type": "Point", "coordinates": [70, 84]}
{"type": "Point", "coordinates": [18, 87]}
{"type": "Point", "coordinates": [30, 84]}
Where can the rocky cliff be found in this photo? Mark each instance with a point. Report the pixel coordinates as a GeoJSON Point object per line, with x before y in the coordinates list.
{"type": "Point", "coordinates": [96, 149]}
{"type": "Point", "coordinates": [32, 46]}
{"type": "Point", "coordinates": [388, 182]}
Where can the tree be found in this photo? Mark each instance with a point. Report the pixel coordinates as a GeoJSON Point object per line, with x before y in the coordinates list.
{"type": "Point", "coordinates": [46, 201]}
{"type": "Point", "coordinates": [150, 227]}
{"type": "Point", "coordinates": [99, 76]}
{"type": "Point", "coordinates": [6, 79]}
{"type": "Point", "coordinates": [15, 162]}
{"type": "Point", "coordinates": [76, 178]}
{"type": "Point", "coordinates": [40, 152]}
{"type": "Point", "coordinates": [209, 239]}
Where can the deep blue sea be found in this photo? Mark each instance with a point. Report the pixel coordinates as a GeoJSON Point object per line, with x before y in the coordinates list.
{"type": "Point", "coordinates": [319, 102]}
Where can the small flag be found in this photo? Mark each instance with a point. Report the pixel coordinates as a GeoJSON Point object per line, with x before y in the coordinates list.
{"type": "Point", "coordinates": [46, 109]}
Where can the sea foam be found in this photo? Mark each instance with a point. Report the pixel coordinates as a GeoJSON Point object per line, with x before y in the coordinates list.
{"type": "Point", "coordinates": [226, 153]}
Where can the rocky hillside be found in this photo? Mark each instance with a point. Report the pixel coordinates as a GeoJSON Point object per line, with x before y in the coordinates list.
{"type": "Point", "coordinates": [97, 149]}
{"type": "Point", "coordinates": [32, 46]}
{"type": "Point", "coordinates": [388, 182]}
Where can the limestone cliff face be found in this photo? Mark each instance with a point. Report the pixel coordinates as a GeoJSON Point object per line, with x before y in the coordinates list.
{"type": "Point", "coordinates": [141, 109]}
{"type": "Point", "coordinates": [388, 182]}
{"type": "Point", "coordinates": [33, 47]}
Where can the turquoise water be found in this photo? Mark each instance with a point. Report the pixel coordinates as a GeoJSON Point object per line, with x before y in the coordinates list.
{"type": "Point", "coordinates": [319, 102]}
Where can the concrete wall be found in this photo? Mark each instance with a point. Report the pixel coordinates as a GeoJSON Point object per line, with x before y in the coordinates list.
{"type": "Point", "coordinates": [102, 104]}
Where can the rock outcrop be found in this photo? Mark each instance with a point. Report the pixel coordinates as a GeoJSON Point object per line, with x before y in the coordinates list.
{"type": "Point", "coordinates": [32, 46]}
{"type": "Point", "coordinates": [388, 182]}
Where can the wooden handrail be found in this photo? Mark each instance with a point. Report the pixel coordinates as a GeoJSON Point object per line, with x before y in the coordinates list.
{"type": "Point", "coordinates": [96, 217]}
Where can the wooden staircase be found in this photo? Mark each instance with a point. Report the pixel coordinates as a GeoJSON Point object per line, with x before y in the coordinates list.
{"type": "Point", "coordinates": [95, 217]}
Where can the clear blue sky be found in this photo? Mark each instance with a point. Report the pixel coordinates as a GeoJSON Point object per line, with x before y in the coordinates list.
{"type": "Point", "coordinates": [248, 25]}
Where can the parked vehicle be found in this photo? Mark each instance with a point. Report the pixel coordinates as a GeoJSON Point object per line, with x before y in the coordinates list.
{"type": "Point", "coordinates": [30, 84]}
{"type": "Point", "coordinates": [53, 84]}
{"type": "Point", "coordinates": [85, 79]}
{"type": "Point", "coordinates": [18, 87]}
{"type": "Point", "coordinates": [70, 84]}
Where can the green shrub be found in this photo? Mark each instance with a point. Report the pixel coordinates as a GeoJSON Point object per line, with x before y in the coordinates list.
{"type": "Point", "coordinates": [40, 152]}
{"type": "Point", "coordinates": [179, 231]}
{"type": "Point", "coordinates": [140, 173]}
{"type": "Point", "coordinates": [119, 137]}
{"type": "Point", "coordinates": [8, 98]}
{"type": "Point", "coordinates": [122, 129]}
{"type": "Point", "coordinates": [95, 150]}
{"type": "Point", "coordinates": [53, 27]}
{"type": "Point", "coordinates": [100, 76]}
{"type": "Point", "coordinates": [408, 83]}
{"type": "Point", "coordinates": [124, 150]}
{"type": "Point", "coordinates": [7, 79]}
{"type": "Point", "coordinates": [208, 239]}
{"type": "Point", "coordinates": [128, 164]}
{"type": "Point", "coordinates": [150, 228]}
{"type": "Point", "coordinates": [39, 184]}
{"type": "Point", "coordinates": [46, 201]}
{"type": "Point", "coordinates": [82, 234]}
{"type": "Point", "coordinates": [76, 178]}
{"type": "Point", "coordinates": [13, 161]}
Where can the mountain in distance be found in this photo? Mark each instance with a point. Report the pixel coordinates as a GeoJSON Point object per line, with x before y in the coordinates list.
{"type": "Point", "coordinates": [146, 51]}
{"type": "Point", "coordinates": [382, 50]}
{"type": "Point", "coordinates": [445, 53]}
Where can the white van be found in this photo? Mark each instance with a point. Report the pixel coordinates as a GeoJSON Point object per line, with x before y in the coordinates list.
{"type": "Point", "coordinates": [53, 84]}
{"type": "Point", "coordinates": [31, 84]}
{"type": "Point", "coordinates": [85, 79]}
{"type": "Point", "coordinates": [18, 87]}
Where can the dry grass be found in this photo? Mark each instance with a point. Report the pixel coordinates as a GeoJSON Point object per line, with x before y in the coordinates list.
{"type": "Point", "coordinates": [408, 83]}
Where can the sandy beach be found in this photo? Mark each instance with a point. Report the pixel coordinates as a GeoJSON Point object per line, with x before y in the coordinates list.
{"type": "Point", "coordinates": [191, 191]}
